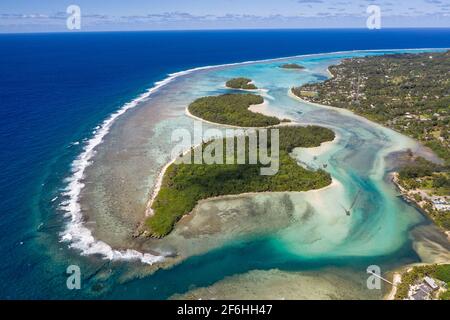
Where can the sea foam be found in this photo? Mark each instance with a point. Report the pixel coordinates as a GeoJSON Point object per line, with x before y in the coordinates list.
{"type": "Point", "coordinates": [75, 232]}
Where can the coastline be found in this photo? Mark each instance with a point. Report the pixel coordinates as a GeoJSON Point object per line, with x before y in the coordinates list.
{"type": "Point", "coordinates": [251, 108]}
{"type": "Point", "coordinates": [245, 90]}
{"type": "Point", "coordinates": [75, 232]}
{"type": "Point", "coordinates": [346, 112]}
{"type": "Point", "coordinates": [324, 146]}
{"type": "Point", "coordinates": [396, 280]}
{"type": "Point", "coordinates": [431, 156]}
{"type": "Point", "coordinates": [423, 150]}
{"type": "Point", "coordinates": [334, 184]}
{"type": "Point", "coordinates": [330, 74]}
{"type": "Point", "coordinates": [189, 114]}
{"type": "Point", "coordinates": [393, 176]}
{"type": "Point", "coordinates": [397, 277]}
{"type": "Point", "coordinates": [409, 199]}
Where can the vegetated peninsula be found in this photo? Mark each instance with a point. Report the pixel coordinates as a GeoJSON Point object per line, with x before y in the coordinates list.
{"type": "Point", "coordinates": [292, 66]}
{"type": "Point", "coordinates": [406, 92]}
{"type": "Point", "coordinates": [232, 109]}
{"type": "Point", "coordinates": [409, 93]}
{"type": "Point", "coordinates": [428, 186]}
{"type": "Point", "coordinates": [241, 83]}
{"type": "Point", "coordinates": [183, 185]}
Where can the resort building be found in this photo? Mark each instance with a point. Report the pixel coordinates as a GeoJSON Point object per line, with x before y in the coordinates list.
{"type": "Point", "coordinates": [441, 204]}
{"type": "Point", "coordinates": [423, 290]}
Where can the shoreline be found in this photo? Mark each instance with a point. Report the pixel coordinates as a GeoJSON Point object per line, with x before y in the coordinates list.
{"type": "Point", "coordinates": [324, 147]}
{"type": "Point", "coordinates": [403, 192]}
{"type": "Point", "coordinates": [75, 232]}
{"type": "Point", "coordinates": [410, 200]}
{"type": "Point", "coordinates": [428, 153]}
{"type": "Point", "coordinates": [330, 74]}
{"type": "Point", "coordinates": [396, 280]}
{"type": "Point", "coordinates": [245, 90]}
{"type": "Point", "coordinates": [189, 114]}
{"type": "Point", "coordinates": [397, 276]}
{"type": "Point", "coordinates": [433, 158]}
{"type": "Point", "coordinates": [341, 110]}
{"type": "Point", "coordinates": [149, 211]}
{"type": "Point", "coordinates": [263, 104]}
{"type": "Point", "coordinates": [347, 112]}
{"type": "Point", "coordinates": [334, 183]}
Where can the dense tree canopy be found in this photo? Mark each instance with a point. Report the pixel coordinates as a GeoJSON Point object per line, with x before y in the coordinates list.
{"type": "Point", "coordinates": [231, 109]}
{"type": "Point", "coordinates": [292, 66]}
{"type": "Point", "coordinates": [241, 83]}
{"type": "Point", "coordinates": [186, 184]}
{"type": "Point", "coordinates": [407, 92]}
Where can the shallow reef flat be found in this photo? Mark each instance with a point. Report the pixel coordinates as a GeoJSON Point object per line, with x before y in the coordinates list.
{"type": "Point", "coordinates": [260, 231]}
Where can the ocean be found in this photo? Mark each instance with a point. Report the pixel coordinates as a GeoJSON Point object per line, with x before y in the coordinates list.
{"type": "Point", "coordinates": [56, 89]}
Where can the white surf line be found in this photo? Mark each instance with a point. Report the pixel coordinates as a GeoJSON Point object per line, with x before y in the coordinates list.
{"type": "Point", "coordinates": [79, 236]}
{"type": "Point", "coordinates": [75, 232]}
{"type": "Point", "coordinates": [149, 211]}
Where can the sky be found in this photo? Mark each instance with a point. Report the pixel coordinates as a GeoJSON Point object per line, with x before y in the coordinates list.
{"type": "Point", "coordinates": [126, 15]}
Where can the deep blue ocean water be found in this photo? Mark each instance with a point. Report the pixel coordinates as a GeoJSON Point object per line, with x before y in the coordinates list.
{"type": "Point", "coordinates": [56, 88]}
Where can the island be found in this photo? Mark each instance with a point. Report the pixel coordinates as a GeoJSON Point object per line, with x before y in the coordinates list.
{"type": "Point", "coordinates": [231, 109]}
{"type": "Point", "coordinates": [241, 83]}
{"type": "Point", "coordinates": [185, 183]}
{"type": "Point", "coordinates": [410, 94]}
{"type": "Point", "coordinates": [292, 66]}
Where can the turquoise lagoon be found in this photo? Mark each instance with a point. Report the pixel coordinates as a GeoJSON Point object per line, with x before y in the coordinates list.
{"type": "Point", "coordinates": [291, 245]}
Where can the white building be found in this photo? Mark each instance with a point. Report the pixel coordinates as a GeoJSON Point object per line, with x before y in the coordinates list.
{"type": "Point", "coordinates": [431, 283]}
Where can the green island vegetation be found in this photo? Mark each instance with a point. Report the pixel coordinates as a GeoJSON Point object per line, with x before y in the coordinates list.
{"type": "Point", "coordinates": [292, 66]}
{"type": "Point", "coordinates": [440, 272]}
{"type": "Point", "coordinates": [241, 83]}
{"type": "Point", "coordinates": [409, 93]}
{"type": "Point", "coordinates": [184, 184]}
{"type": "Point", "coordinates": [424, 179]}
{"type": "Point", "coordinates": [232, 109]}
{"type": "Point", "coordinates": [419, 168]}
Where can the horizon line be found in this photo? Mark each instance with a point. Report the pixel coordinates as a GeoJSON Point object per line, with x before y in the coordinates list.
{"type": "Point", "coordinates": [223, 29]}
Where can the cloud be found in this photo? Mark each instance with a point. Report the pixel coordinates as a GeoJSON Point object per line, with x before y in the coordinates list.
{"type": "Point", "coordinates": [433, 1]}
{"type": "Point", "coordinates": [341, 13]}
{"type": "Point", "coordinates": [310, 1]}
{"type": "Point", "coordinates": [24, 16]}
